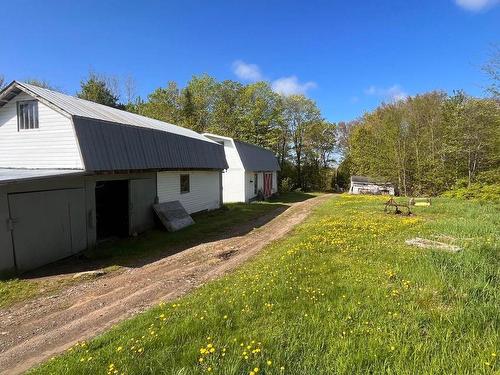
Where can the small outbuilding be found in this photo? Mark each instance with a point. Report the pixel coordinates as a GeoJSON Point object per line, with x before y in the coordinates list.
{"type": "Point", "coordinates": [368, 185]}
{"type": "Point", "coordinates": [73, 173]}
{"type": "Point", "coordinates": [252, 173]}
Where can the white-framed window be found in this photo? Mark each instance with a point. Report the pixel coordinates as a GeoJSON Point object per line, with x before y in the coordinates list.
{"type": "Point", "coordinates": [27, 115]}
{"type": "Point", "coordinates": [184, 182]}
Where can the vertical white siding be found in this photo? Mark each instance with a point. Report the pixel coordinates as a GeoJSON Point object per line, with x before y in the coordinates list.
{"type": "Point", "coordinates": [260, 181]}
{"type": "Point", "coordinates": [204, 193]}
{"type": "Point", "coordinates": [232, 156]}
{"type": "Point", "coordinates": [249, 184]}
{"type": "Point", "coordinates": [233, 187]}
{"type": "Point", "coordinates": [53, 145]}
{"type": "Point", "coordinates": [234, 177]}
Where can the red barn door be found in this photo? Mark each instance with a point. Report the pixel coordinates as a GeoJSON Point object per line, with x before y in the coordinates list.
{"type": "Point", "coordinates": [268, 184]}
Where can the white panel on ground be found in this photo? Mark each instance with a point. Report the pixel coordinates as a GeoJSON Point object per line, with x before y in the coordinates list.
{"type": "Point", "coordinates": [173, 215]}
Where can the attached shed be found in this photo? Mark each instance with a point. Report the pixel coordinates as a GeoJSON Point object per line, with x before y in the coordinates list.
{"type": "Point", "coordinates": [73, 172]}
{"type": "Point", "coordinates": [253, 170]}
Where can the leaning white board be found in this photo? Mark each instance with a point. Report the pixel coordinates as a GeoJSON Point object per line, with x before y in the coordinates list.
{"type": "Point", "coordinates": [173, 215]}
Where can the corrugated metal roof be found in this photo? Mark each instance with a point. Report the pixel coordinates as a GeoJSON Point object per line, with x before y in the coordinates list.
{"type": "Point", "coordinates": [115, 140]}
{"type": "Point", "coordinates": [255, 158]}
{"type": "Point", "coordinates": [84, 108]}
{"type": "Point", "coordinates": [368, 180]}
{"type": "Point", "coordinates": [115, 147]}
{"type": "Point", "coordinates": [8, 175]}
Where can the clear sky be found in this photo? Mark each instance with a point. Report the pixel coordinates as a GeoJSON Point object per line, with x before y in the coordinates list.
{"type": "Point", "coordinates": [347, 55]}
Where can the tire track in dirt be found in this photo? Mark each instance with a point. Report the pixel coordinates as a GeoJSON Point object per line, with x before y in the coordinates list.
{"type": "Point", "coordinates": [47, 326]}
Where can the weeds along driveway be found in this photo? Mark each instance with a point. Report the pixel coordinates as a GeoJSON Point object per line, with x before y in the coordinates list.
{"type": "Point", "coordinates": [46, 326]}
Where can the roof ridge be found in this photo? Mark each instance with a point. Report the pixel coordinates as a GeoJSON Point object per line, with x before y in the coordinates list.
{"type": "Point", "coordinates": [75, 106]}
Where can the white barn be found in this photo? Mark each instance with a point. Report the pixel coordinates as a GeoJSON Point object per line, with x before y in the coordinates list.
{"type": "Point", "coordinates": [73, 172]}
{"type": "Point", "coordinates": [253, 170]}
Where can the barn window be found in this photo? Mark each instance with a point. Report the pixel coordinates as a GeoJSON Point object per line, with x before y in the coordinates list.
{"type": "Point", "coordinates": [184, 183]}
{"type": "Point", "coordinates": [27, 115]}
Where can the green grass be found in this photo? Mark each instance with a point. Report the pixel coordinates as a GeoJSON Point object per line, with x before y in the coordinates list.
{"type": "Point", "coordinates": [147, 247]}
{"type": "Point", "coordinates": [16, 290]}
{"type": "Point", "coordinates": [342, 295]}
{"type": "Point", "coordinates": [209, 225]}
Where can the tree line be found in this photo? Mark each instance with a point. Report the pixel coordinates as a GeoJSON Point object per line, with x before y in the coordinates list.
{"type": "Point", "coordinates": [291, 126]}
{"type": "Point", "coordinates": [425, 144]}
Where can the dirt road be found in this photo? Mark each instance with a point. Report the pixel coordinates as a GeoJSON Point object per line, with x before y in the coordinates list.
{"type": "Point", "coordinates": [44, 327]}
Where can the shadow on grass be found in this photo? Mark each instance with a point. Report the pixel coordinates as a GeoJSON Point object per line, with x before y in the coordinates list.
{"type": "Point", "coordinates": [232, 220]}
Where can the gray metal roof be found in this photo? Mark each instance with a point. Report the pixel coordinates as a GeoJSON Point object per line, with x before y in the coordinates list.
{"type": "Point", "coordinates": [115, 140]}
{"type": "Point", "coordinates": [368, 180]}
{"type": "Point", "coordinates": [8, 175]}
{"type": "Point", "coordinates": [83, 108]}
{"type": "Point", "coordinates": [115, 147]}
{"type": "Point", "coordinates": [255, 158]}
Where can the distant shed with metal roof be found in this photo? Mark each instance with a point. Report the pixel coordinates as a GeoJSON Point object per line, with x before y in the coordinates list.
{"type": "Point", "coordinates": [370, 185]}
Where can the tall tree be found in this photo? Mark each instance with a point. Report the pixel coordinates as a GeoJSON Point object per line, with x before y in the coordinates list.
{"type": "Point", "coordinates": [2, 81]}
{"type": "Point", "coordinates": [163, 104]}
{"type": "Point", "coordinates": [227, 109]}
{"type": "Point", "coordinates": [197, 100]}
{"type": "Point", "coordinates": [492, 69]}
{"type": "Point", "coordinates": [96, 89]}
{"type": "Point", "coordinates": [261, 115]}
{"type": "Point", "coordinates": [41, 83]}
{"type": "Point", "coordinates": [299, 113]}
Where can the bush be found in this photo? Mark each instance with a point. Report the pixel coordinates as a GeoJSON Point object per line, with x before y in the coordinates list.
{"type": "Point", "coordinates": [477, 191]}
{"type": "Point", "coordinates": [286, 185]}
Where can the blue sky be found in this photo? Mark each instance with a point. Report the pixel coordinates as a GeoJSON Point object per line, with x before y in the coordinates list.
{"type": "Point", "coordinates": [347, 55]}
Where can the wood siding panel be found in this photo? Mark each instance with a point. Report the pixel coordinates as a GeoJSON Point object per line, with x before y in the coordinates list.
{"type": "Point", "coordinates": [204, 193]}
{"type": "Point", "coordinates": [53, 145]}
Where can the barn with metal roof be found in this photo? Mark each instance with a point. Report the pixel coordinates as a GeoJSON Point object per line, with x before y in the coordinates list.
{"type": "Point", "coordinates": [252, 172]}
{"type": "Point", "coordinates": [74, 172]}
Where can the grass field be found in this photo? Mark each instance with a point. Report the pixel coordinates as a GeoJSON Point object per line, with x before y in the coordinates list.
{"type": "Point", "coordinates": [343, 294]}
{"type": "Point", "coordinates": [156, 243]}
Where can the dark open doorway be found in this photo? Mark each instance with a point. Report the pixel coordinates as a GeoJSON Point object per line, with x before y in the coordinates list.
{"type": "Point", "coordinates": [112, 209]}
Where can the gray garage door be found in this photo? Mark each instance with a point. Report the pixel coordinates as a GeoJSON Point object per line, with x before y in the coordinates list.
{"type": "Point", "coordinates": [47, 226]}
{"type": "Point", "coordinates": [142, 194]}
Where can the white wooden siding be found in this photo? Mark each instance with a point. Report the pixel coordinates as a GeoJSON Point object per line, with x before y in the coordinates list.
{"type": "Point", "coordinates": [232, 156]}
{"type": "Point", "coordinates": [238, 185]}
{"type": "Point", "coordinates": [204, 192]}
{"type": "Point", "coordinates": [233, 185]}
{"type": "Point", "coordinates": [249, 184]}
{"type": "Point", "coordinates": [53, 145]}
